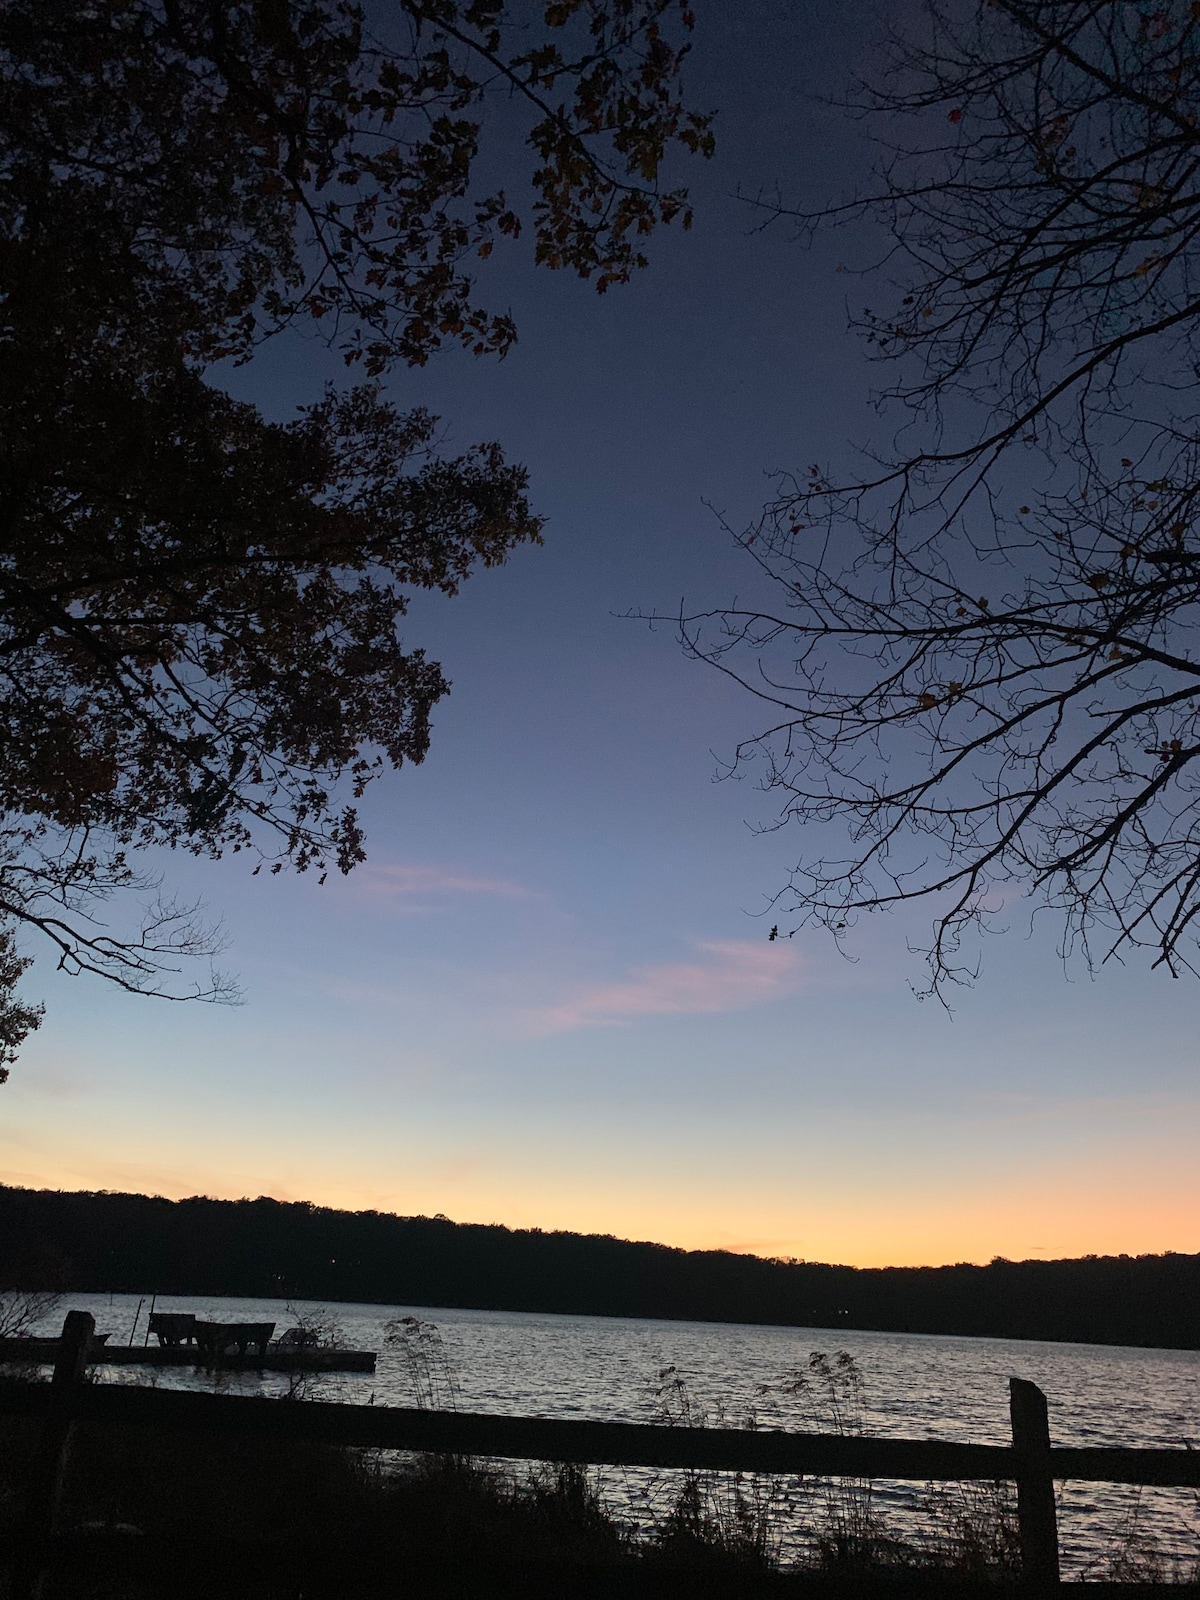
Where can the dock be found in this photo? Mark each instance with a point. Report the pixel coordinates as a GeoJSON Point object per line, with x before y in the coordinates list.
{"type": "Point", "coordinates": [44, 1352]}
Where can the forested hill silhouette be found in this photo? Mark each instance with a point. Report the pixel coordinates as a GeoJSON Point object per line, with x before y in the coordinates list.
{"type": "Point", "coordinates": [135, 1243]}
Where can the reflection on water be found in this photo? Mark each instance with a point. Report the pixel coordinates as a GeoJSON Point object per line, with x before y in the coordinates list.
{"type": "Point", "coordinates": [915, 1386]}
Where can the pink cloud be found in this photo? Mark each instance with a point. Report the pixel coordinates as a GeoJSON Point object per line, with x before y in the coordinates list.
{"type": "Point", "coordinates": [384, 882]}
{"type": "Point", "coordinates": [728, 976]}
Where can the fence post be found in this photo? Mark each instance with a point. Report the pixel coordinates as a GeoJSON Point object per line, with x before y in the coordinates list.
{"type": "Point", "coordinates": [1036, 1515]}
{"type": "Point", "coordinates": [50, 1455]}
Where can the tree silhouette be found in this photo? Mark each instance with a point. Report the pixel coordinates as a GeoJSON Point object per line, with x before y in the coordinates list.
{"type": "Point", "coordinates": [983, 668]}
{"type": "Point", "coordinates": [199, 605]}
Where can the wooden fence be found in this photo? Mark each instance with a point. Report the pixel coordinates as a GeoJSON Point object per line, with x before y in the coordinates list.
{"type": "Point", "coordinates": [1031, 1462]}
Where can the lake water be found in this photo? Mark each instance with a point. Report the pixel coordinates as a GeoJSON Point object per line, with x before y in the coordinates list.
{"type": "Point", "coordinates": [913, 1385]}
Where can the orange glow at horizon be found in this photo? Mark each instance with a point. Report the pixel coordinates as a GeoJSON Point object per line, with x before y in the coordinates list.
{"type": "Point", "coordinates": [1042, 1221]}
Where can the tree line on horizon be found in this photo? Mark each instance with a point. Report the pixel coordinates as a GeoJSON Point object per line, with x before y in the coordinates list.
{"type": "Point", "coordinates": [129, 1243]}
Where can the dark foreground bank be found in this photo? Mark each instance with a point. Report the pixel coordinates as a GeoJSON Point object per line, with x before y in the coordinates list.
{"type": "Point", "coordinates": [135, 1243]}
{"type": "Point", "coordinates": [143, 1514]}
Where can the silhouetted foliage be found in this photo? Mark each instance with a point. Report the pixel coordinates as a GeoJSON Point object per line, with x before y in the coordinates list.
{"type": "Point", "coordinates": [133, 1243]}
{"type": "Point", "coordinates": [18, 1018]}
{"type": "Point", "coordinates": [982, 674]}
{"type": "Point", "coordinates": [199, 605]}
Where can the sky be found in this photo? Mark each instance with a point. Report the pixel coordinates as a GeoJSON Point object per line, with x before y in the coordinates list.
{"type": "Point", "coordinates": [548, 998]}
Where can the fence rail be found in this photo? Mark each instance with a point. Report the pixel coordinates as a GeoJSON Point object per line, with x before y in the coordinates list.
{"type": "Point", "coordinates": [599, 1443]}
{"type": "Point", "coordinates": [1030, 1461]}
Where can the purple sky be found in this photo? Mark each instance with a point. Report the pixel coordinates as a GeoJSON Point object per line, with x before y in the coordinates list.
{"type": "Point", "coordinates": [548, 999]}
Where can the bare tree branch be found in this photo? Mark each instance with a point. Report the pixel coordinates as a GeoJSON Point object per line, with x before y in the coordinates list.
{"type": "Point", "coordinates": [985, 671]}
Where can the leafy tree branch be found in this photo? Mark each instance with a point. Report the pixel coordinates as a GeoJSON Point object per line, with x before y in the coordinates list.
{"type": "Point", "coordinates": [201, 609]}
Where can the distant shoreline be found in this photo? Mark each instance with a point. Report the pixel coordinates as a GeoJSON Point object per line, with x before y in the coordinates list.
{"type": "Point", "coordinates": [433, 1312]}
{"type": "Point", "coordinates": [104, 1242]}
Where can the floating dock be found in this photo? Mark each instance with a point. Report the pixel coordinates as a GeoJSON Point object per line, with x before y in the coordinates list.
{"type": "Point", "coordinates": [44, 1352]}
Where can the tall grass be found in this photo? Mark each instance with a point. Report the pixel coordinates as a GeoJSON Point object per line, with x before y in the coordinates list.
{"type": "Point", "coordinates": [1134, 1554]}
{"type": "Point", "coordinates": [425, 1362]}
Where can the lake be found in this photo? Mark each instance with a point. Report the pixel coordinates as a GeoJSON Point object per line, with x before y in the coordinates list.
{"type": "Point", "coordinates": [912, 1385]}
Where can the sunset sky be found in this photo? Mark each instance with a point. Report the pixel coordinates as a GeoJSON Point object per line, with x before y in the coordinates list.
{"type": "Point", "coordinates": [548, 999]}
